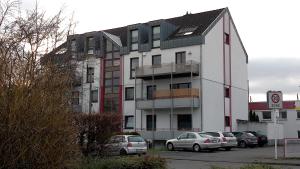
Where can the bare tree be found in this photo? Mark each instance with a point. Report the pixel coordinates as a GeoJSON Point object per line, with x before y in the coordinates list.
{"type": "Point", "coordinates": [36, 124]}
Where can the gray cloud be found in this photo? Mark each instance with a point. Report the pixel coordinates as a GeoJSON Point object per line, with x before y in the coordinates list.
{"type": "Point", "coordinates": [274, 74]}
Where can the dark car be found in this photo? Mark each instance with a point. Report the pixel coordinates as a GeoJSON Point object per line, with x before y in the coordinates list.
{"type": "Point", "coordinates": [245, 139]}
{"type": "Point", "coordinates": [261, 138]}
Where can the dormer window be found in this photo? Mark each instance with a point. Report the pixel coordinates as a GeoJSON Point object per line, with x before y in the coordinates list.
{"type": "Point", "coordinates": [134, 40]}
{"type": "Point", "coordinates": [90, 45]}
{"type": "Point", "coordinates": [155, 36]}
{"type": "Point", "coordinates": [186, 31]}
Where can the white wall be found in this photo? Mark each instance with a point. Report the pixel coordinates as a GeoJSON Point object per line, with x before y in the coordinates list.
{"type": "Point", "coordinates": [212, 82]}
{"type": "Point", "coordinates": [85, 87]}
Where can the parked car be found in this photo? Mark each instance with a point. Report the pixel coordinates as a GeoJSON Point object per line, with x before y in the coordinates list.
{"type": "Point", "coordinates": [193, 141]}
{"type": "Point", "coordinates": [228, 140]}
{"type": "Point", "coordinates": [245, 139]}
{"type": "Point", "coordinates": [126, 144]}
{"type": "Point", "coordinates": [261, 138]}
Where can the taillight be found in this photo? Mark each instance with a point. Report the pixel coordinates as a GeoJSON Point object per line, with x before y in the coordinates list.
{"type": "Point", "coordinates": [207, 141]}
{"type": "Point", "coordinates": [224, 139]}
{"type": "Point", "coordinates": [129, 145]}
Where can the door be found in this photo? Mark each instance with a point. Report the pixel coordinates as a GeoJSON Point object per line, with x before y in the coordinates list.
{"type": "Point", "coordinates": [180, 142]}
{"type": "Point", "coordinates": [191, 138]}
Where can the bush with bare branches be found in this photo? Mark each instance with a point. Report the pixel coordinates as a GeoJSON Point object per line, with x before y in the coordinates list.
{"type": "Point", "coordinates": [36, 124]}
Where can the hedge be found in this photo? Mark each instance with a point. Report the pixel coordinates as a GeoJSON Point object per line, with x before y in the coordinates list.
{"type": "Point", "coordinates": [133, 162]}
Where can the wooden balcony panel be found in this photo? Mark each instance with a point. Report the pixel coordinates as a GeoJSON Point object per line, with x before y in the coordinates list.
{"type": "Point", "coordinates": [176, 93]}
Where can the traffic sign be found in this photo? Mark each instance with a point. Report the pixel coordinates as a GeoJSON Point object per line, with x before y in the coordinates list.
{"type": "Point", "coordinates": [274, 99]}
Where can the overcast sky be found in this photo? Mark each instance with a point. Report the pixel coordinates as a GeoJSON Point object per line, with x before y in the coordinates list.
{"type": "Point", "coordinates": [269, 29]}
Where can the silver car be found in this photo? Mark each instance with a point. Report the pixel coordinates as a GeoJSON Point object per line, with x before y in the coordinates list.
{"type": "Point", "coordinates": [193, 141]}
{"type": "Point", "coordinates": [228, 140]}
{"type": "Point", "coordinates": [126, 144]}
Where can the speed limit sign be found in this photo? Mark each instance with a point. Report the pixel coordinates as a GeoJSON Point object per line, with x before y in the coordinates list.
{"type": "Point", "coordinates": [274, 99]}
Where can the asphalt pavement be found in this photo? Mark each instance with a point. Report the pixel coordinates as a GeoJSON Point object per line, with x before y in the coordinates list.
{"type": "Point", "coordinates": [235, 158]}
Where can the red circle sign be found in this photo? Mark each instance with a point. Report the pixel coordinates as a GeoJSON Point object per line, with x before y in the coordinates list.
{"type": "Point", "coordinates": [275, 98]}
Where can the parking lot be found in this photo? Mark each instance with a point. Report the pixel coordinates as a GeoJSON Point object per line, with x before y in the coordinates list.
{"type": "Point", "coordinates": [235, 158]}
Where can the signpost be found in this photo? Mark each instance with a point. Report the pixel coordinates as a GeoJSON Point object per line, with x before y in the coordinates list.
{"type": "Point", "coordinates": [274, 99]}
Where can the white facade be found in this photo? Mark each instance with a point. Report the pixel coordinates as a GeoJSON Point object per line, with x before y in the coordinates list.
{"type": "Point", "coordinates": [220, 65]}
{"type": "Point", "coordinates": [291, 123]}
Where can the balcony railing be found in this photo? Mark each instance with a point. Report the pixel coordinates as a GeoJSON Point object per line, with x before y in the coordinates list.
{"type": "Point", "coordinates": [176, 93]}
{"type": "Point", "coordinates": [162, 99]}
{"type": "Point", "coordinates": [168, 69]}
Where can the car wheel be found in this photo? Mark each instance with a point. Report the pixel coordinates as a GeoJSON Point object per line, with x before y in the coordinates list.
{"type": "Point", "coordinates": [228, 148]}
{"type": "Point", "coordinates": [170, 147]}
{"type": "Point", "coordinates": [196, 148]}
{"type": "Point", "coordinates": [123, 152]}
{"type": "Point", "coordinates": [243, 144]}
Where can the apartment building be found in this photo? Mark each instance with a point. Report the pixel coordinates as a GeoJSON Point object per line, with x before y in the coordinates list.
{"type": "Point", "coordinates": [289, 116]}
{"type": "Point", "coordinates": [164, 76]}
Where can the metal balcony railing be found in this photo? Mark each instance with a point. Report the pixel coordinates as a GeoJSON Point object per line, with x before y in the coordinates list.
{"type": "Point", "coordinates": [168, 69]}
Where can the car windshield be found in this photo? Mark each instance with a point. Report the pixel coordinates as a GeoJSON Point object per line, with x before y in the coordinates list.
{"type": "Point", "coordinates": [227, 134]}
{"type": "Point", "coordinates": [214, 134]}
{"type": "Point", "coordinates": [135, 139]}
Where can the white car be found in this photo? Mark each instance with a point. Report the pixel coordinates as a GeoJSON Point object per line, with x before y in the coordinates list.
{"type": "Point", "coordinates": [228, 140]}
{"type": "Point", "coordinates": [193, 141]}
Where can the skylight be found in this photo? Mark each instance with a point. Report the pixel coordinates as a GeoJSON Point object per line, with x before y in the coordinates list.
{"type": "Point", "coordinates": [186, 31]}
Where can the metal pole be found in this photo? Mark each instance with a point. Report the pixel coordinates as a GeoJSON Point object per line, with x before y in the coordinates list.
{"type": "Point", "coordinates": [275, 131]}
{"type": "Point", "coordinates": [135, 99]}
{"type": "Point", "coordinates": [191, 94]}
{"type": "Point", "coordinates": [172, 103]}
{"type": "Point", "coordinates": [153, 104]}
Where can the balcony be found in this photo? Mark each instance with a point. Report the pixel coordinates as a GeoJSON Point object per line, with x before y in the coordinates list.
{"type": "Point", "coordinates": [162, 99]}
{"type": "Point", "coordinates": [168, 69]}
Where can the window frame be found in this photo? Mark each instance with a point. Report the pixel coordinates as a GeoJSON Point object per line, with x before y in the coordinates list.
{"type": "Point", "coordinates": [126, 122]}
{"type": "Point", "coordinates": [90, 75]}
{"type": "Point", "coordinates": [126, 94]}
{"type": "Point", "coordinates": [263, 117]}
{"type": "Point", "coordinates": [133, 69]}
{"type": "Point", "coordinates": [134, 42]}
{"type": "Point", "coordinates": [77, 98]}
{"type": "Point", "coordinates": [90, 46]}
{"type": "Point", "coordinates": [298, 114]}
{"type": "Point", "coordinates": [153, 58]}
{"type": "Point", "coordinates": [181, 54]}
{"type": "Point", "coordinates": [155, 39]}
{"type": "Point", "coordinates": [226, 38]}
{"type": "Point", "coordinates": [181, 125]}
{"type": "Point", "coordinates": [281, 113]}
{"type": "Point", "coordinates": [94, 96]}
{"type": "Point", "coordinates": [227, 121]}
{"type": "Point", "coordinates": [149, 125]}
{"type": "Point", "coordinates": [227, 92]}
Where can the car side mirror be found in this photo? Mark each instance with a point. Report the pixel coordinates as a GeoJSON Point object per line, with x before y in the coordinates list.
{"type": "Point", "coordinates": [178, 138]}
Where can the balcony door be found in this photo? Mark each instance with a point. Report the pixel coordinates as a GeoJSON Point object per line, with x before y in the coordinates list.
{"type": "Point", "coordinates": [150, 92]}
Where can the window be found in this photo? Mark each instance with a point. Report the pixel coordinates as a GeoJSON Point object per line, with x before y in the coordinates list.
{"type": "Point", "coordinates": [298, 114]}
{"type": "Point", "coordinates": [108, 75]}
{"type": "Point", "coordinates": [156, 60]}
{"type": "Point", "coordinates": [90, 75]}
{"type": "Point", "coordinates": [180, 57]}
{"type": "Point", "coordinates": [150, 92]}
{"type": "Point", "coordinates": [75, 98]}
{"type": "Point", "coordinates": [73, 45]}
{"type": "Point", "coordinates": [181, 86]}
{"type": "Point", "coordinates": [117, 62]}
{"type": "Point", "coordinates": [298, 134]}
{"type": "Point", "coordinates": [226, 38]}
{"type": "Point", "coordinates": [151, 119]}
{"type": "Point", "coordinates": [186, 31]}
{"type": "Point", "coordinates": [134, 39]}
{"type": "Point", "coordinates": [227, 92]}
{"type": "Point", "coordinates": [90, 45]}
{"type": "Point", "coordinates": [116, 81]}
{"type": "Point", "coordinates": [129, 93]}
{"type": "Point", "coordinates": [129, 122]}
{"type": "Point", "coordinates": [282, 115]}
{"type": "Point", "coordinates": [191, 136]}
{"type": "Point", "coordinates": [267, 115]}
{"type": "Point", "coordinates": [94, 96]}
{"type": "Point", "coordinates": [134, 63]}
{"type": "Point", "coordinates": [183, 136]}
{"type": "Point", "coordinates": [109, 46]}
{"type": "Point", "coordinates": [155, 36]}
{"type": "Point", "coordinates": [184, 121]}
{"type": "Point", "coordinates": [227, 121]}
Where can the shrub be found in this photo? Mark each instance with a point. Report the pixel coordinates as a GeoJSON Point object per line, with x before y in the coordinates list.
{"type": "Point", "coordinates": [95, 131]}
{"type": "Point", "coordinates": [145, 162]}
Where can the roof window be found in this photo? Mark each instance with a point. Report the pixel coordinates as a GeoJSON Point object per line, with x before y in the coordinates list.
{"type": "Point", "coordinates": [186, 31]}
